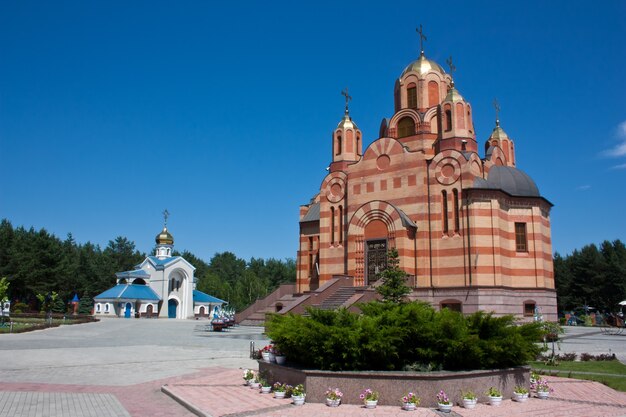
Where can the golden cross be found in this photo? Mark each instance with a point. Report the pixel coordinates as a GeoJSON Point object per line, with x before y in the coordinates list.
{"type": "Point", "coordinates": [166, 214]}
{"type": "Point", "coordinates": [496, 106]}
{"type": "Point", "coordinates": [347, 96]}
{"type": "Point", "coordinates": [422, 38]}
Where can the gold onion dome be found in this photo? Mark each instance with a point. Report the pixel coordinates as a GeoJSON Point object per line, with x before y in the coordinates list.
{"type": "Point", "coordinates": [422, 66]}
{"type": "Point", "coordinates": [164, 238]}
{"type": "Point", "coordinates": [498, 133]}
{"type": "Point", "coordinates": [347, 123]}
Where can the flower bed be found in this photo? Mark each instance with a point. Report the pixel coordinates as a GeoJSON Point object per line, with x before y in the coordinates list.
{"type": "Point", "coordinates": [394, 385]}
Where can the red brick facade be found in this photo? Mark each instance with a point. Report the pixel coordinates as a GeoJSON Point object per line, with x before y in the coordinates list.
{"type": "Point", "coordinates": [473, 232]}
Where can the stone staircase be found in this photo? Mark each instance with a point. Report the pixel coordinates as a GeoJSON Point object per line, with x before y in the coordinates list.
{"type": "Point", "coordinates": [338, 298]}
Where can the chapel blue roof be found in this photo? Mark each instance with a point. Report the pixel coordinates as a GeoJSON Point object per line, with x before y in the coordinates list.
{"type": "Point", "coordinates": [129, 292]}
{"type": "Point", "coordinates": [200, 297]}
{"type": "Point", "coordinates": [136, 273]}
{"type": "Point", "coordinates": [161, 263]}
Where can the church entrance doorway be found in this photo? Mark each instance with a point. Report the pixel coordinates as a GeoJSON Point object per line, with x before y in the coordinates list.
{"type": "Point", "coordinates": [201, 311]}
{"type": "Point", "coordinates": [375, 259]}
{"type": "Point", "coordinates": [129, 307]}
{"type": "Point", "coordinates": [171, 308]}
{"type": "Point", "coordinates": [149, 310]}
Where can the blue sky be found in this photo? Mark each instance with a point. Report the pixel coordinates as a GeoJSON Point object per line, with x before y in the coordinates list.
{"type": "Point", "coordinates": [222, 112]}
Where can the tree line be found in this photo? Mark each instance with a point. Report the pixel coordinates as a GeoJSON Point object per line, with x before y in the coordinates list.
{"type": "Point", "coordinates": [592, 276]}
{"type": "Point", "coordinates": [36, 262]}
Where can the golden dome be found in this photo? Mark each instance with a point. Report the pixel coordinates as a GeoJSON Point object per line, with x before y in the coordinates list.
{"type": "Point", "coordinates": [498, 133]}
{"type": "Point", "coordinates": [422, 66]}
{"type": "Point", "coordinates": [347, 123]}
{"type": "Point", "coordinates": [164, 238]}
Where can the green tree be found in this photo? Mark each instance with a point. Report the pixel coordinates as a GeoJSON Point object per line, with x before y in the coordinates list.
{"type": "Point", "coordinates": [393, 288]}
{"type": "Point", "coordinates": [4, 289]}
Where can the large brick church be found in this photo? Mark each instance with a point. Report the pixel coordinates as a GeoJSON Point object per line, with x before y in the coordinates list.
{"type": "Point", "coordinates": [472, 231]}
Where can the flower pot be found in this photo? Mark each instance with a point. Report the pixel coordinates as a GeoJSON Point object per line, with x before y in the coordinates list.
{"type": "Point", "coordinates": [280, 359]}
{"type": "Point", "coordinates": [469, 403]}
{"type": "Point", "coordinates": [495, 401]}
{"type": "Point", "coordinates": [543, 394]}
{"type": "Point", "coordinates": [254, 385]}
{"type": "Point", "coordinates": [266, 390]}
{"type": "Point", "coordinates": [520, 398]}
{"type": "Point", "coordinates": [297, 399]}
{"type": "Point", "coordinates": [333, 403]}
{"type": "Point", "coordinates": [371, 403]}
{"type": "Point", "coordinates": [279, 394]}
{"type": "Point", "coordinates": [409, 406]}
{"type": "Point", "coordinates": [444, 408]}
{"type": "Point", "coordinates": [265, 356]}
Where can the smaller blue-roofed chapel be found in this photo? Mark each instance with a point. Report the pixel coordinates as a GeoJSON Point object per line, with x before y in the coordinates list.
{"type": "Point", "coordinates": [162, 286]}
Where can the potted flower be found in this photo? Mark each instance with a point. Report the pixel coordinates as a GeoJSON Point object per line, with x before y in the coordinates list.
{"type": "Point", "coordinates": [369, 397]}
{"type": "Point", "coordinates": [443, 402]}
{"type": "Point", "coordinates": [266, 388]}
{"type": "Point", "coordinates": [469, 399]}
{"type": "Point", "coordinates": [495, 396]}
{"type": "Point", "coordinates": [520, 394]}
{"type": "Point", "coordinates": [333, 397]}
{"type": "Point", "coordinates": [298, 394]}
{"type": "Point", "coordinates": [280, 390]}
{"type": "Point", "coordinates": [534, 377]}
{"type": "Point", "coordinates": [248, 375]}
{"type": "Point", "coordinates": [254, 382]}
{"type": "Point", "coordinates": [541, 388]}
{"type": "Point", "coordinates": [279, 356]}
{"type": "Point", "coordinates": [410, 402]}
{"type": "Point", "coordinates": [265, 353]}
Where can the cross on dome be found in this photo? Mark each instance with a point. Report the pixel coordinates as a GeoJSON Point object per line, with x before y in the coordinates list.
{"type": "Point", "coordinates": [496, 106]}
{"type": "Point", "coordinates": [347, 96]}
{"type": "Point", "coordinates": [420, 32]}
{"type": "Point", "coordinates": [166, 214]}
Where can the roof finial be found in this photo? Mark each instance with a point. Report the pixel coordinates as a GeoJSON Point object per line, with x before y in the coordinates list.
{"type": "Point", "coordinates": [452, 68]}
{"type": "Point", "coordinates": [166, 214]}
{"type": "Point", "coordinates": [348, 98]}
{"type": "Point", "coordinates": [422, 38]}
{"type": "Point", "coordinates": [496, 106]}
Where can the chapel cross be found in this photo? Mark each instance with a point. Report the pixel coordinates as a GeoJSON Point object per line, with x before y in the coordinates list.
{"type": "Point", "coordinates": [422, 38]}
{"type": "Point", "coordinates": [347, 96]}
{"type": "Point", "coordinates": [496, 106]}
{"type": "Point", "coordinates": [166, 214]}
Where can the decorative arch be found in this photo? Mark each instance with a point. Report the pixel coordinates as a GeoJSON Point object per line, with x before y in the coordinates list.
{"type": "Point", "coordinates": [139, 281]}
{"type": "Point", "coordinates": [406, 127]}
{"type": "Point", "coordinates": [379, 211]}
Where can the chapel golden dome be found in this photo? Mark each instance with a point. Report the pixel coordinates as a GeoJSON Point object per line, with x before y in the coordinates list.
{"type": "Point", "coordinates": [164, 238]}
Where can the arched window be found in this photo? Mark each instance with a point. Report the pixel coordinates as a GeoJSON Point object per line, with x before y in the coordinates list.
{"type": "Point", "coordinates": [340, 225]}
{"type": "Point", "coordinates": [332, 225]}
{"type": "Point", "coordinates": [444, 211]}
{"type": "Point", "coordinates": [106, 308]}
{"type": "Point", "coordinates": [172, 282]}
{"type": "Point", "coordinates": [98, 308]}
{"type": "Point", "coordinates": [448, 121]}
{"type": "Point", "coordinates": [338, 144]}
{"type": "Point", "coordinates": [460, 116]}
{"type": "Point", "coordinates": [358, 144]}
{"type": "Point", "coordinates": [411, 97]}
{"type": "Point", "coordinates": [457, 221]}
{"type": "Point", "coordinates": [433, 93]}
{"type": "Point", "coordinates": [139, 281]}
{"type": "Point", "coordinates": [406, 127]}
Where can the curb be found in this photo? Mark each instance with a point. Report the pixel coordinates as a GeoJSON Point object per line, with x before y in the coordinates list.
{"type": "Point", "coordinates": [189, 406]}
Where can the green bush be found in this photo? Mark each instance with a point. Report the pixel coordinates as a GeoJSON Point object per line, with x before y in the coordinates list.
{"type": "Point", "coordinates": [389, 336]}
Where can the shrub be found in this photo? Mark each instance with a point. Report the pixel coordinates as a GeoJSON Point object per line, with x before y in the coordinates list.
{"type": "Point", "coordinates": [389, 336]}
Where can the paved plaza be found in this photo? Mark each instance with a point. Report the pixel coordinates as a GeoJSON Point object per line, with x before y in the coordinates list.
{"type": "Point", "coordinates": [156, 368]}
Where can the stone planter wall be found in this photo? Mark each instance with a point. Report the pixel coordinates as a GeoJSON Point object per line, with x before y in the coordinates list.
{"type": "Point", "coordinates": [393, 385]}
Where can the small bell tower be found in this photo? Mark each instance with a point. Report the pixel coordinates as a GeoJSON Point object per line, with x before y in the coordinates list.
{"type": "Point", "coordinates": [499, 138]}
{"type": "Point", "coordinates": [347, 142]}
{"type": "Point", "coordinates": [164, 240]}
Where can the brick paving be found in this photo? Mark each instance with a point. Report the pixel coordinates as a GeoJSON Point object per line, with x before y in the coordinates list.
{"type": "Point", "coordinates": [223, 394]}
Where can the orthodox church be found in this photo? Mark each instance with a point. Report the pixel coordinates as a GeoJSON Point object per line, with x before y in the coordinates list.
{"type": "Point", "coordinates": [472, 231]}
{"type": "Point", "coordinates": [161, 286]}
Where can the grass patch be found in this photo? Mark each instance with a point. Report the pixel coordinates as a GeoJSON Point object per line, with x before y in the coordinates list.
{"type": "Point", "coordinates": [610, 373]}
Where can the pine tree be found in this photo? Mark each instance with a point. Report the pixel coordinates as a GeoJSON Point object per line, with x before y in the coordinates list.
{"type": "Point", "coordinates": [393, 288]}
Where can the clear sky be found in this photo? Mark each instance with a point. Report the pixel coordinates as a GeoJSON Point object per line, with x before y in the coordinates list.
{"type": "Point", "coordinates": [222, 112]}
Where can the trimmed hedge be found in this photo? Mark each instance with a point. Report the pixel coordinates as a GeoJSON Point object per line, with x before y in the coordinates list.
{"type": "Point", "coordinates": [388, 336]}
